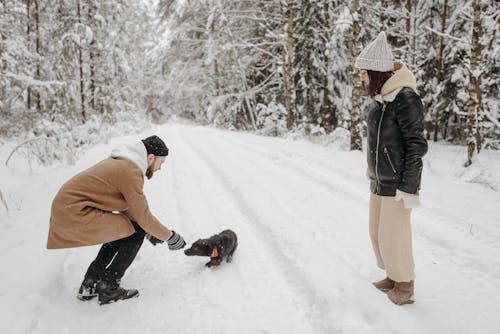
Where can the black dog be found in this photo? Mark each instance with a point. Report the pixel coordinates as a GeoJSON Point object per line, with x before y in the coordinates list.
{"type": "Point", "coordinates": [217, 247]}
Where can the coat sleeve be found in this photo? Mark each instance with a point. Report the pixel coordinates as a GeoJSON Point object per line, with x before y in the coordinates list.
{"type": "Point", "coordinates": [138, 211]}
{"type": "Point", "coordinates": [410, 118]}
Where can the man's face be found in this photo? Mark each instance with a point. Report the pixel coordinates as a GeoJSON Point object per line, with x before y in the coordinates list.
{"type": "Point", "coordinates": [154, 164]}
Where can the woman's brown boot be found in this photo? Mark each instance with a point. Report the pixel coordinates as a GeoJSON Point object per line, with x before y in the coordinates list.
{"type": "Point", "coordinates": [402, 293]}
{"type": "Point", "coordinates": [384, 285]}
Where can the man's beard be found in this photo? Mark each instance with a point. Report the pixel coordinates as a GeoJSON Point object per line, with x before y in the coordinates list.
{"type": "Point", "coordinates": [149, 173]}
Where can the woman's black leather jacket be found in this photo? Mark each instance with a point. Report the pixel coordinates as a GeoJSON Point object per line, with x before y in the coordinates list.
{"type": "Point", "coordinates": [396, 144]}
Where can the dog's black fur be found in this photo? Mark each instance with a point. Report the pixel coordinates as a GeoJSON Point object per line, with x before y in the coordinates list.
{"type": "Point", "coordinates": [225, 243]}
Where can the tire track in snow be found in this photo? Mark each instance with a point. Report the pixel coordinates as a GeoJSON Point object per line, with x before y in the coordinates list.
{"type": "Point", "coordinates": [466, 258]}
{"type": "Point", "coordinates": [430, 213]}
{"type": "Point", "coordinates": [462, 258]}
{"type": "Point", "coordinates": [337, 300]}
{"type": "Point", "coordinates": [318, 312]}
{"type": "Point", "coordinates": [319, 176]}
{"type": "Point", "coordinates": [292, 216]}
{"type": "Point", "coordinates": [342, 300]}
{"type": "Point", "coordinates": [257, 267]}
{"type": "Point", "coordinates": [286, 157]}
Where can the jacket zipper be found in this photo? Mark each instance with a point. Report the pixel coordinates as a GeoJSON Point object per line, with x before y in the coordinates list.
{"type": "Point", "coordinates": [378, 142]}
{"type": "Point", "coordinates": [389, 158]}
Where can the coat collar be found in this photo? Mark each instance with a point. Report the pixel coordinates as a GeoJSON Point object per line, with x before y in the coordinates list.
{"type": "Point", "coordinates": [402, 78]}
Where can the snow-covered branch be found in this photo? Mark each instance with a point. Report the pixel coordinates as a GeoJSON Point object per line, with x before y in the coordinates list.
{"type": "Point", "coordinates": [447, 36]}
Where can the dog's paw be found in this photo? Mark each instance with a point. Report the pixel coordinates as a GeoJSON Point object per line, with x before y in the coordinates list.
{"type": "Point", "coordinates": [213, 263]}
{"type": "Point", "coordinates": [229, 258]}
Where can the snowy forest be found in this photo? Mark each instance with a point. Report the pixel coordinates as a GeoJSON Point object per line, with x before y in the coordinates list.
{"type": "Point", "coordinates": [264, 116]}
{"type": "Point", "coordinates": [75, 72]}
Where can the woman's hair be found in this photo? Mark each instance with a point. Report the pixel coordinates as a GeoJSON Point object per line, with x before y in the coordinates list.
{"type": "Point", "coordinates": [377, 80]}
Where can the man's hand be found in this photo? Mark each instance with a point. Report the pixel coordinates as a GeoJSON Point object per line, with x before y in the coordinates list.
{"type": "Point", "coordinates": [175, 241]}
{"type": "Point", "coordinates": [152, 239]}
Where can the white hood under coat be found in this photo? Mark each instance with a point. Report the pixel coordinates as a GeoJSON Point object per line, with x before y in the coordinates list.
{"type": "Point", "coordinates": [135, 152]}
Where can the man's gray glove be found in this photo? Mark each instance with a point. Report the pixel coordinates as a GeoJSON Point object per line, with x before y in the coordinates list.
{"type": "Point", "coordinates": [152, 239]}
{"type": "Point", "coordinates": [175, 241]}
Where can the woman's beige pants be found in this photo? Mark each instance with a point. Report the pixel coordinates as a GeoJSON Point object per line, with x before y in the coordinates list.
{"type": "Point", "coordinates": [390, 232]}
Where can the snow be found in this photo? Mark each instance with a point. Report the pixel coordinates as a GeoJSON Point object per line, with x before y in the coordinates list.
{"type": "Point", "coordinates": [29, 81]}
{"type": "Point", "coordinates": [304, 261]}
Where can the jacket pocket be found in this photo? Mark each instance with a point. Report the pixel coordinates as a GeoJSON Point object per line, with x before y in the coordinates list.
{"type": "Point", "coordinates": [386, 152]}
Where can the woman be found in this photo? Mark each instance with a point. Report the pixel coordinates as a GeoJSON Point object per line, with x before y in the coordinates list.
{"type": "Point", "coordinates": [396, 146]}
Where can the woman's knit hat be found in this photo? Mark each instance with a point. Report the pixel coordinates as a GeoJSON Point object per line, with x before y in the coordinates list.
{"type": "Point", "coordinates": [156, 146]}
{"type": "Point", "coordinates": [376, 56]}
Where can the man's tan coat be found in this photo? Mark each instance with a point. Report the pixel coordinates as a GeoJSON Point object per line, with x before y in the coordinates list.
{"type": "Point", "coordinates": [96, 206]}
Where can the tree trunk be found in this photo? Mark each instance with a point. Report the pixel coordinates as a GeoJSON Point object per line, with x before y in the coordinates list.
{"type": "Point", "coordinates": [382, 17]}
{"type": "Point", "coordinates": [445, 130]}
{"type": "Point", "coordinates": [28, 32]}
{"type": "Point", "coordinates": [440, 65]}
{"type": "Point", "coordinates": [441, 42]}
{"type": "Point", "coordinates": [216, 75]}
{"type": "Point", "coordinates": [414, 39]}
{"type": "Point", "coordinates": [80, 59]}
{"type": "Point", "coordinates": [285, 69]}
{"type": "Point", "coordinates": [327, 112]}
{"type": "Point", "coordinates": [356, 143]}
{"type": "Point", "coordinates": [492, 39]}
{"type": "Point", "coordinates": [474, 136]}
{"type": "Point", "coordinates": [290, 54]}
{"type": "Point", "coordinates": [91, 59]}
{"type": "Point", "coordinates": [410, 49]}
{"type": "Point", "coordinates": [3, 63]}
{"type": "Point", "coordinates": [216, 64]}
{"type": "Point", "coordinates": [287, 19]}
{"type": "Point", "coordinates": [38, 41]}
{"type": "Point", "coordinates": [436, 130]}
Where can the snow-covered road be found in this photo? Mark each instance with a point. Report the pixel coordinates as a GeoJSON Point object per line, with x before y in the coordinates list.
{"type": "Point", "coordinates": [304, 261]}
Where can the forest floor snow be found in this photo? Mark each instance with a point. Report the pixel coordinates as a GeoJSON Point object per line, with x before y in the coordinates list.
{"type": "Point", "coordinates": [304, 263]}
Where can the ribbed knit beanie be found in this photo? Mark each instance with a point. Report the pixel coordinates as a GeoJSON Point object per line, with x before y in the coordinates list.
{"type": "Point", "coordinates": [376, 56]}
{"type": "Point", "coordinates": [154, 145]}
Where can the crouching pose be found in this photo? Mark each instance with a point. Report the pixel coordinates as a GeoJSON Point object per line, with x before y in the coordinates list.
{"type": "Point", "coordinates": [105, 204]}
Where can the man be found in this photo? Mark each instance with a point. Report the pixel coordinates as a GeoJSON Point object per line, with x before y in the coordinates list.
{"type": "Point", "coordinates": [106, 204]}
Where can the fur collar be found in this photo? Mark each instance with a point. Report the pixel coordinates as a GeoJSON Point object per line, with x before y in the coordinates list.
{"type": "Point", "coordinates": [402, 78]}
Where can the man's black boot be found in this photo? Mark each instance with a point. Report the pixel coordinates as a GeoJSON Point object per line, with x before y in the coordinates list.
{"type": "Point", "coordinates": [109, 293]}
{"type": "Point", "coordinates": [87, 290]}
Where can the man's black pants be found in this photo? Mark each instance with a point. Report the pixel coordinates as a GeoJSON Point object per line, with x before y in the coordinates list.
{"type": "Point", "coordinates": [115, 257]}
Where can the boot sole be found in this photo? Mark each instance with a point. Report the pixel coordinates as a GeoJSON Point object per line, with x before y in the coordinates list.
{"type": "Point", "coordinates": [104, 302]}
{"type": "Point", "coordinates": [406, 302]}
{"type": "Point", "coordinates": [86, 298]}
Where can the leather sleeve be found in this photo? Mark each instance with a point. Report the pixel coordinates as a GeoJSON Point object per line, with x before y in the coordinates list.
{"type": "Point", "coordinates": [410, 118]}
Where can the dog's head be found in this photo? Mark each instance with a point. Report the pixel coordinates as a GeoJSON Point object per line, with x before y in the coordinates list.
{"type": "Point", "coordinates": [200, 247]}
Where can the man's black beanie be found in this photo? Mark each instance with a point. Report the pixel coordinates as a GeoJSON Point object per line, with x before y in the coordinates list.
{"type": "Point", "coordinates": [154, 145]}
